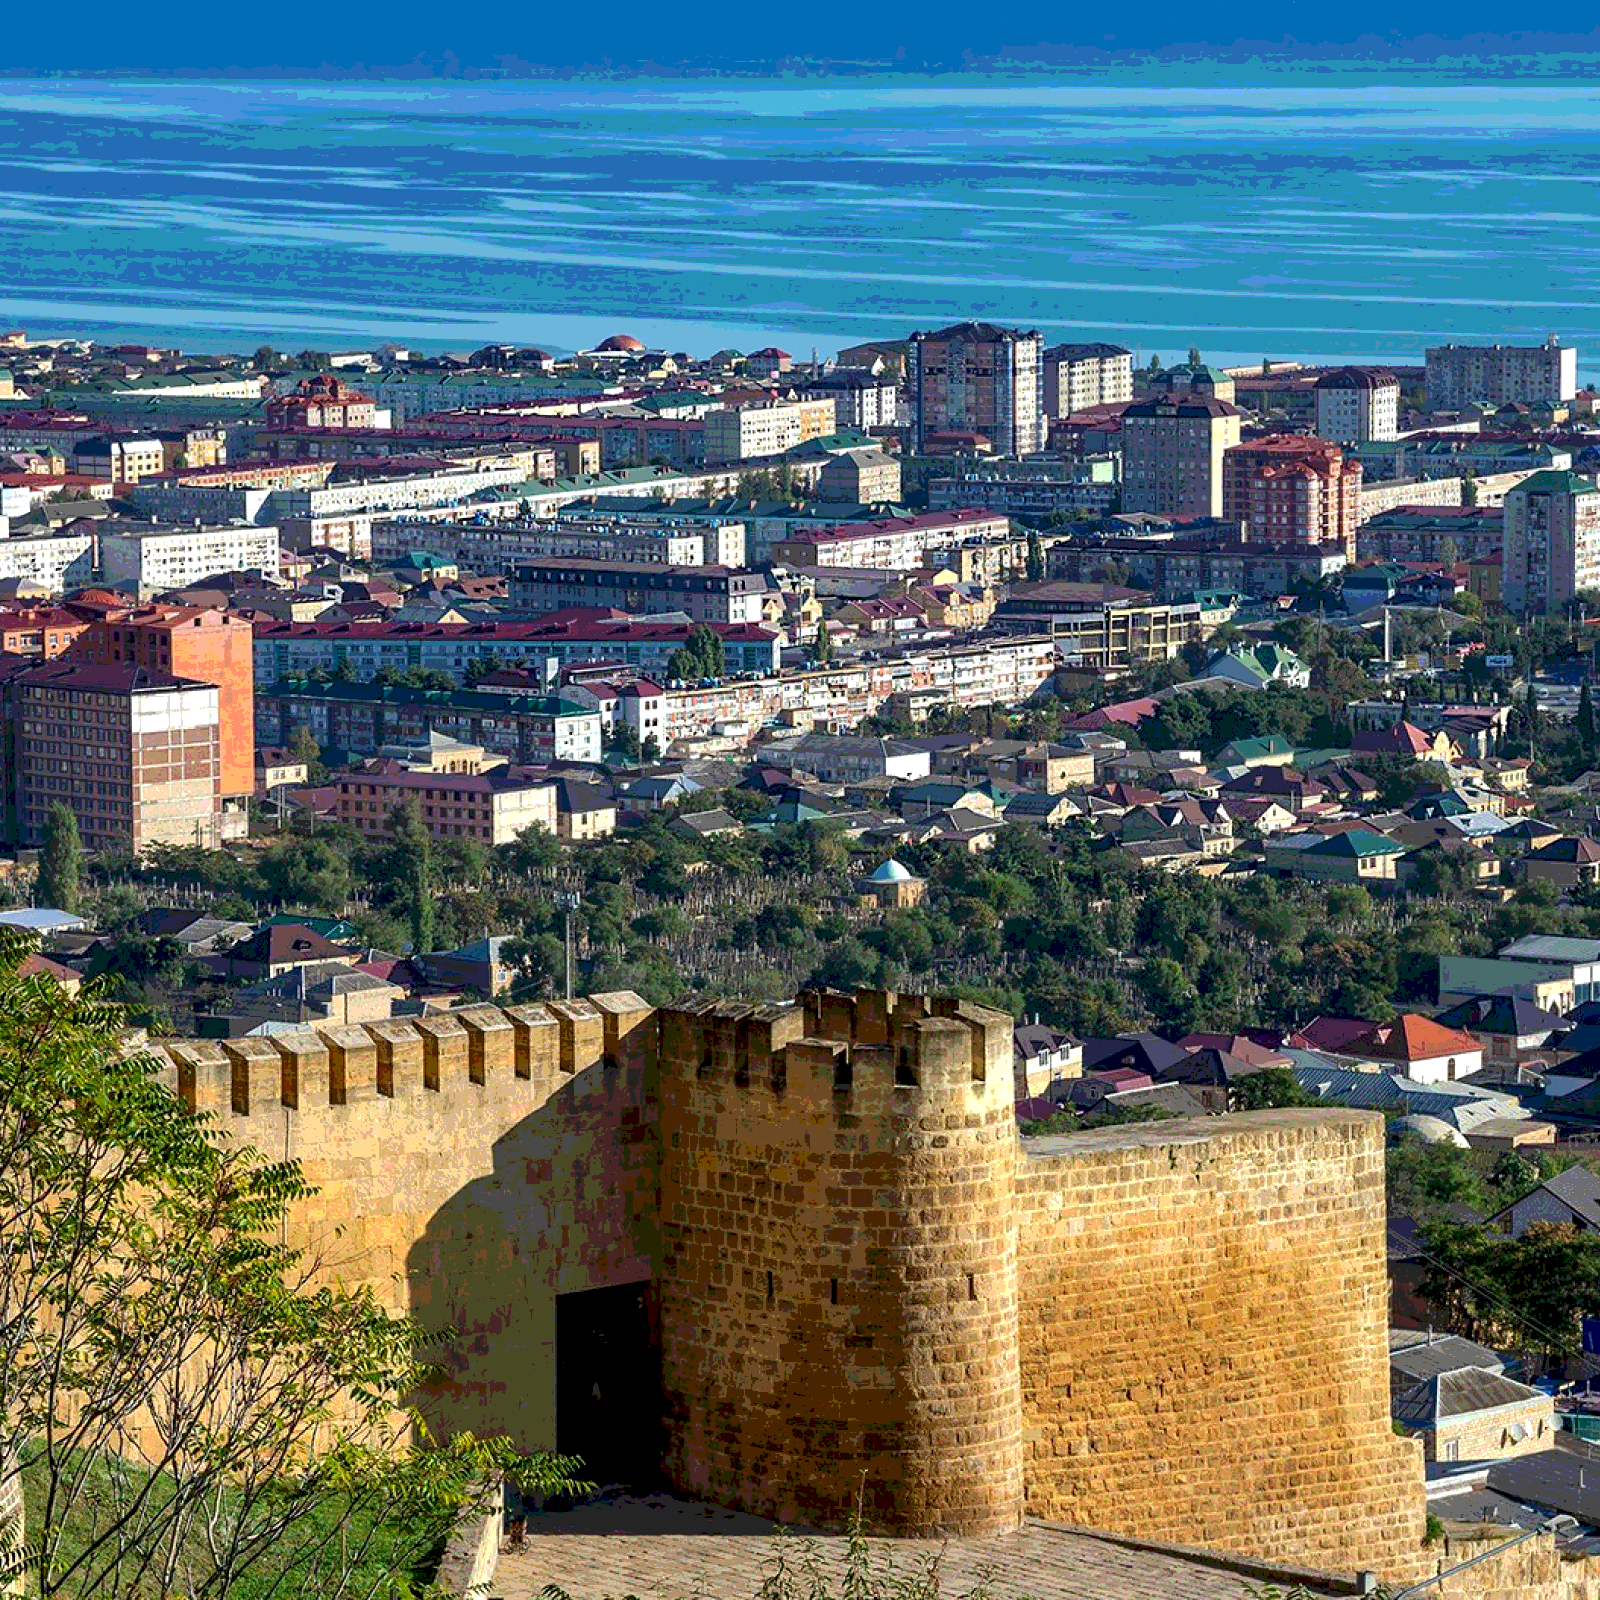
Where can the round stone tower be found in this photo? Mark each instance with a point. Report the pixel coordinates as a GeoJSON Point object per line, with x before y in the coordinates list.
{"type": "Point", "coordinates": [839, 1262]}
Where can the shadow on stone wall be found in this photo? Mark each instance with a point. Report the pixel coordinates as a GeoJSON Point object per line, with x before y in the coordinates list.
{"type": "Point", "coordinates": [571, 1205]}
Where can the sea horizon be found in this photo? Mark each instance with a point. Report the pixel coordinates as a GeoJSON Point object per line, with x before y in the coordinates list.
{"type": "Point", "coordinates": [1307, 216]}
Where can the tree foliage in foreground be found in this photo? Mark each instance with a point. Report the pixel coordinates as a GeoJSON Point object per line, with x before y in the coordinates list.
{"type": "Point", "coordinates": [192, 1409]}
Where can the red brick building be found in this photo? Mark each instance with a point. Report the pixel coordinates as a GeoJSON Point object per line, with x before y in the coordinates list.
{"type": "Point", "coordinates": [193, 642]}
{"type": "Point", "coordinates": [132, 753]}
{"type": "Point", "coordinates": [321, 402]}
{"type": "Point", "coordinates": [1293, 490]}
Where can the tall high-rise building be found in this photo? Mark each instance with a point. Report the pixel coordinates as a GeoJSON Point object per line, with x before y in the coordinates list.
{"type": "Point", "coordinates": [195, 642]}
{"type": "Point", "coordinates": [1459, 374]}
{"type": "Point", "coordinates": [1357, 404]}
{"type": "Point", "coordinates": [1552, 542]}
{"type": "Point", "coordinates": [1172, 454]}
{"type": "Point", "coordinates": [133, 753]}
{"type": "Point", "coordinates": [1080, 375]}
{"type": "Point", "coordinates": [1291, 490]}
{"type": "Point", "coordinates": [978, 378]}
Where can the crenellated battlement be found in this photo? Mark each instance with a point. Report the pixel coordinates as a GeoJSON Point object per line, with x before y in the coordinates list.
{"type": "Point", "coordinates": [451, 1052]}
{"type": "Point", "coordinates": [856, 1053]}
{"type": "Point", "coordinates": [860, 1277]}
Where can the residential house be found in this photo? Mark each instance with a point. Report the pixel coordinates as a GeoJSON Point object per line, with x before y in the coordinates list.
{"type": "Point", "coordinates": [34, 965]}
{"type": "Point", "coordinates": [1509, 1028]}
{"type": "Point", "coordinates": [482, 966]}
{"type": "Point", "coordinates": [278, 948]}
{"type": "Point", "coordinates": [584, 811]}
{"type": "Point", "coordinates": [655, 791]}
{"type": "Point", "coordinates": [1416, 1355]}
{"type": "Point", "coordinates": [1255, 667]}
{"type": "Point", "coordinates": [1570, 1198]}
{"type": "Point", "coordinates": [705, 824]}
{"type": "Point", "coordinates": [1418, 1048]}
{"type": "Point", "coordinates": [1144, 1053]}
{"type": "Point", "coordinates": [1042, 810]}
{"type": "Point", "coordinates": [277, 769]}
{"type": "Point", "coordinates": [1212, 1073]}
{"type": "Point", "coordinates": [1269, 750]}
{"type": "Point", "coordinates": [1355, 856]}
{"type": "Point", "coordinates": [1474, 1415]}
{"type": "Point", "coordinates": [1043, 1056]}
{"type": "Point", "coordinates": [1566, 862]}
{"type": "Point", "coordinates": [329, 993]}
{"type": "Point", "coordinates": [1406, 739]}
{"type": "Point", "coordinates": [1287, 785]}
{"type": "Point", "coordinates": [196, 932]}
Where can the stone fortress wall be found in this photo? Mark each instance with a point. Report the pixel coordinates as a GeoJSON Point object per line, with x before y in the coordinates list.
{"type": "Point", "coordinates": [865, 1282]}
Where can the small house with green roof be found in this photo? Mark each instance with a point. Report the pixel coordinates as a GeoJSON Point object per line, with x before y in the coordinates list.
{"type": "Point", "coordinates": [1254, 667]}
{"type": "Point", "coordinates": [1269, 750]}
{"type": "Point", "coordinates": [1356, 855]}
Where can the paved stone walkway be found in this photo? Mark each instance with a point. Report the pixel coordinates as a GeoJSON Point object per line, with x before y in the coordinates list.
{"type": "Point", "coordinates": [660, 1548]}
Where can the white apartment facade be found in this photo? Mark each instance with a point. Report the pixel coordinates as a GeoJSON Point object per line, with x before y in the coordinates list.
{"type": "Point", "coordinates": [1356, 405]}
{"type": "Point", "coordinates": [832, 699]}
{"type": "Point", "coordinates": [1080, 375]}
{"type": "Point", "coordinates": [173, 558]}
{"type": "Point", "coordinates": [59, 561]}
{"type": "Point", "coordinates": [766, 428]}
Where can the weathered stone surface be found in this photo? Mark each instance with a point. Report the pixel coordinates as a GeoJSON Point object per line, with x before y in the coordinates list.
{"type": "Point", "coordinates": [866, 1283]}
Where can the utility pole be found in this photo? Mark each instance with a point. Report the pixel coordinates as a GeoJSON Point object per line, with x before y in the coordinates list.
{"type": "Point", "coordinates": [567, 899]}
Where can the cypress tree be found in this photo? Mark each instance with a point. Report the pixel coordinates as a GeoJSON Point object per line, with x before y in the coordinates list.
{"type": "Point", "coordinates": [60, 860]}
{"type": "Point", "coordinates": [413, 867]}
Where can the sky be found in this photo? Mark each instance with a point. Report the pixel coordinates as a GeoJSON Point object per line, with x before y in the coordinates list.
{"type": "Point", "coordinates": [109, 35]}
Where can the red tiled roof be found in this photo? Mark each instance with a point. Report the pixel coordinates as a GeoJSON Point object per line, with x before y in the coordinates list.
{"type": "Point", "coordinates": [1411, 1038]}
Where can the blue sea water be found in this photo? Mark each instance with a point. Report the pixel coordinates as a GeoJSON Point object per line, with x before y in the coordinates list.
{"type": "Point", "coordinates": [1302, 214]}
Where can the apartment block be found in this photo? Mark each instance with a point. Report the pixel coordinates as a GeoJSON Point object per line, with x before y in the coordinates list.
{"type": "Point", "coordinates": [1172, 454]}
{"type": "Point", "coordinates": [135, 754]}
{"type": "Point", "coordinates": [120, 460]}
{"type": "Point", "coordinates": [294, 649]}
{"type": "Point", "coordinates": [1551, 542]}
{"type": "Point", "coordinates": [194, 642]}
{"type": "Point", "coordinates": [55, 561]}
{"type": "Point", "coordinates": [706, 594]}
{"type": "Point", "coordinates": [1433, 533]}
{"type": "Point", "coordinates": [1461, 374]}
{"type": "Point", "coordinates": [998, 672]}
{"type": "Point", "coordinates": [1290, 490]}
{"type": "Point", "coordinates": [156, 558]}
{"type": "Point", "coordinates": [766, 427]}
{"type": "Point", "coordinates": [975, 377]}
{"type": "Point", "coordinates": [1173, 567]}
{"type": "Point", "coordinates": [620, 536]}
{"type": "Point", "coordinates": [43, 632]}
{"type": "Point", "coordinates": [529, 729]}
{"type": "Point", "coordinates": [1080, 375]}
{"type": "Point", "coordinates": [1356, 404]}
{"type": "Point", "coordinates": [900, 543]}
{"type": "Point", "coordinates": [862, 399]}
{"type": "Point", "coordinates": [491, 807]}
{"type": "Point", "coordinates": [322, 402]}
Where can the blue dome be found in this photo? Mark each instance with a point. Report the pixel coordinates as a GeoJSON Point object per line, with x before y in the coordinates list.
{"type": "Point", "coordinates": [891, 872]}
